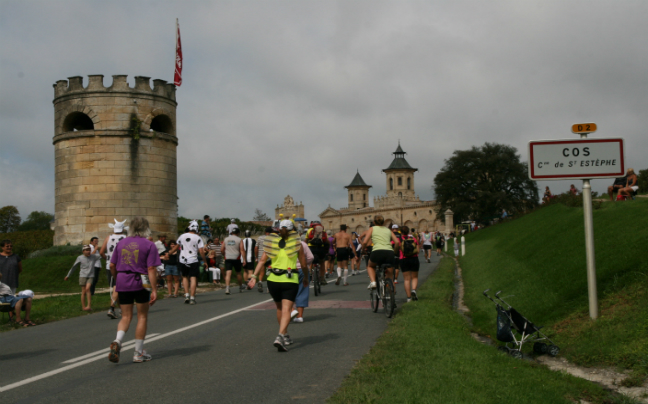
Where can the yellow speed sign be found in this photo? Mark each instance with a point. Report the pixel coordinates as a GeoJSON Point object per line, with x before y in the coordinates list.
{"type": "Point", "coordinates": [584, 128]}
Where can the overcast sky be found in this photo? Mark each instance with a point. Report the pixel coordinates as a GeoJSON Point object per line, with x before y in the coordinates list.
{"type": "Point", "coordinates": [292, 97]}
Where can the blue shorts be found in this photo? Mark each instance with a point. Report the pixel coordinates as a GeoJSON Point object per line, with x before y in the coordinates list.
{"type": "Point", "coordinates": [12, 299]}
{"type": "Point", "coordinates": [171, 270]}
{"type": "Point", "coordinates": [302, 295]}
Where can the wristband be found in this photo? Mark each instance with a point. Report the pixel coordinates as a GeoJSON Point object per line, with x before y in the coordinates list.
{"type": "Point", "coordinates": [254, 276]}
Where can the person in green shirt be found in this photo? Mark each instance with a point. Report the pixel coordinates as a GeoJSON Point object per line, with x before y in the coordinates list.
{"type": "Point", "coordinates": [382, 252]}
{"type": "Point", "coordinates": [283, 279]}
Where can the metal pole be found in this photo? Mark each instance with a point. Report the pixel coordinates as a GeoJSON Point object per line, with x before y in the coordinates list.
{"type": "Point", "coordinates": [589, 248]}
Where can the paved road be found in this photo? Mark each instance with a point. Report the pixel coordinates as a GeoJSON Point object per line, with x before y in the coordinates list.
{"type": "Point", "coordinates": [217, 351]}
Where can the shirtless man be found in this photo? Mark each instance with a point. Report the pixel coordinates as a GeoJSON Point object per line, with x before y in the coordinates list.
{"type": "Point", "coordinates": [631, 184]}
{"type": "Point", "coordinates": [344, 248]}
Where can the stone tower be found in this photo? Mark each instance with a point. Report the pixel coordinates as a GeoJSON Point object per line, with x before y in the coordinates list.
{"type": "Point", "coordinates": [400, 176]}
{"type": "Point", "coordinates": [358, 193]}
{"type": "Point", "coordinates": [115, 156]}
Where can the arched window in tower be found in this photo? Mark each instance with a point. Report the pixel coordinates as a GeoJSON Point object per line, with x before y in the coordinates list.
{"type": "Point", "coordinates": [400, 180]}
{"type": "Point", "coordinates": [391, 184]}
{"type": "Point", "coordinates": [162, 123]}
{"type": "Point", "coordinates": [77, 121]}
{"type": "Point", "coordinates": [409, 183]}
{"type": "Point", "coordinates": [351, 197]}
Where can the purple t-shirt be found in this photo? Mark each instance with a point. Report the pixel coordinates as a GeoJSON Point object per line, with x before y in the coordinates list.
{"type": "Point", "coordinates": [132, 257]}
{"type": "Point", "coordinates": [331, 248]}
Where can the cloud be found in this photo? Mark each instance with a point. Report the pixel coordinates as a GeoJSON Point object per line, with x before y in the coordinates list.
{"type": "Point", "coordinates": [292, 97]}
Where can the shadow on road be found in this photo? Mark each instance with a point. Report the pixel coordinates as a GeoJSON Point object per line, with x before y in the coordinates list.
{"type": "Point", "coordinates": [315, 339]}
{"type": "Point", "coordinates": [25, 355]}
{"type": "Point", "coordinates": [182, 352]}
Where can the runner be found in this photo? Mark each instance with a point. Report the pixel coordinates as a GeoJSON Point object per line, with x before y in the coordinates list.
{"type": "Point", "coordinates": [231, 226]}
{"type": "Point", "coordinates": [284, 249]}
{"type": "Point", "coordinates": [409, 259]}
{"type": "Point", "coordinates": [301, 301]}
{"type": "Point", "coordinates": [382, 252]}
{"type": "Point", "coordinates": [318, 244]}
{"type": "Point", "coordinates": [397, 259]}
{"type": "Point", "coordinates": [94, 243]}
{"type": "Point", "coordinates": [330, 257]}
{"type": "Point", "coordinates": [171, 270]}
{"type": "Point", "coordinates": [249, 246]}
{"type": "Point", "coordinates": [190, 245]}
{"type": "Point", "coordinates": [133, 259]}
{"type": "Point", "coordinates": [232, 249]}
{"type": "Point", "coordinates": [426, 240]}
{"type": "Point", "coordinates": [438, 244]}
{"type": "Point", "coordinates": [344, 251]}
{"type": "Point", "coordinates": [355, 261]}
{"type": "Point", "coordinates": [85, 263]}
{"type": "Point", "coordinates": [106, 252]}
{"type": "Point", "coordinates": [259, 254]}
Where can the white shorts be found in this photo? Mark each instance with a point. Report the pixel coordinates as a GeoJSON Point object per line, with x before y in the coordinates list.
{"type": "Point", "coordinates": [635, 188]}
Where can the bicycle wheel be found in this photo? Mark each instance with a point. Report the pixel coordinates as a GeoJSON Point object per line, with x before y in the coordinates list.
{"type": "Point", "coordinates": [375, 300]}
{"type": "Point", "coordinates": [389, 299]}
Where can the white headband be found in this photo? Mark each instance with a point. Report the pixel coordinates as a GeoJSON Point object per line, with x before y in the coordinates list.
{"type": "Point", "coordinates": [118, 227]}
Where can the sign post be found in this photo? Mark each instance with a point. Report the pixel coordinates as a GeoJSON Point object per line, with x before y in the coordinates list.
{"type": "Point", "coordinates": [580, 159]}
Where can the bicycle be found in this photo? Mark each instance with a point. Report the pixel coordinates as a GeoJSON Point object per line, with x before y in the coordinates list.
{"type": "Point", "coordinates": [314, 273]}
{"type": "Point", "coordinates": [384, 292]}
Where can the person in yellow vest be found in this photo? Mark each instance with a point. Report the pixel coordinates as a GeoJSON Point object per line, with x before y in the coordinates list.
{"type": "Point", "coordinates": [284, 249]}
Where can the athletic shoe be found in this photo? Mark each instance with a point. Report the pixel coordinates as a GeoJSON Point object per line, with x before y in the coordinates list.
{"type": "Point", "coordinates": [192, 301]}
{"type": "Point", "coordinates": [115, 348]}
{"type": "Point", "coordinates": [111, 313]}
{"type": "Point", "coordinates": [338, 281]}
{"type": "Point", "coordinates": [241, 287]}
{"type": "Point", "coordinates": [352, 273]}
{"type": "Point", "coordinates": [186, 299]}
{"type": "Point", "coordinates": [227, 292]}
{"type": "Point", "coordinates": [396, 282]}
{"type": "Point", "coordinates": [414, 295]}
{"type": "Point", "coordinates": [346, 283]}
{"type": "Point", "coordinates": [409, 300]}
{"type": "Point", "coordinates": [429, 260]}
{"type": "Point", "coordinates": [280, 344]}
{"type": "Point", "coordinates": [260, 287]}
{"type": "Point", "coordinates": [298, 320]}
{"type": "Point", "coordinates": [141, 356]}
{"type": "Point", "coordinates": [323, 282]}
{"type": "Point", "coordinates": [372, 285]}
{"type": "Point", "coordinates": [287, 340]}
{"type": "Point", "coordinates": [294, 313]}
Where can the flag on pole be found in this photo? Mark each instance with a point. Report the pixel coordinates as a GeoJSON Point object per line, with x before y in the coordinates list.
{"type": "Point", "coordinates": [177, 79]}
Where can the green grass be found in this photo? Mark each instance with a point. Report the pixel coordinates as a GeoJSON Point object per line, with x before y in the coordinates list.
{"type": "Point", "coordinates": [428, 356]}
{"type": "Point", "coordinates": [539, 263]}
{"type": "Point", "coordinates": [45, 275]}
{"type": "Point", "coordinates": [57, 308]}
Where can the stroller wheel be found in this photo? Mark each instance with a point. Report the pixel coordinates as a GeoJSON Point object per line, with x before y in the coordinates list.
{"type": "Point", "coordinates": [515, 353]}
{"type": "Point", "coordinates": [540, 348]}
{"type": "Point", "coordinates": [553, 350]}
{"type": "Point", "coordinates": [503, 349]}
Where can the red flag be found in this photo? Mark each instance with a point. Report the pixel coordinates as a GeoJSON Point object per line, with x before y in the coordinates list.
{"type": "Point", "coordinates": [177, 79]}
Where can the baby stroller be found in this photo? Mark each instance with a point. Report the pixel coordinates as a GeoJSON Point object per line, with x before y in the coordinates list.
{"type": "Point", "coordinates": [509, 320]}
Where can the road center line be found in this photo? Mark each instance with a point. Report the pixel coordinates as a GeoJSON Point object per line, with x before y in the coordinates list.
{"type": "Point", "coordinates": [102, 355]}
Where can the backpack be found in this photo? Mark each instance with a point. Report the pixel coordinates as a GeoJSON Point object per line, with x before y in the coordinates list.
{"type": "Point", "coordinates": [409, 247]}
{"type": "Point", "coordinates": [316, 236]}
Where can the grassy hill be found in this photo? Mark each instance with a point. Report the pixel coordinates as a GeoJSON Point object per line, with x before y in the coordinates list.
{"type": "Point", "coordinates": [538, 261]}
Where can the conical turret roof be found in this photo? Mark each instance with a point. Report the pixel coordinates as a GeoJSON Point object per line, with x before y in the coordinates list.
{"type": "Point", "coordinates": [399, 162]}
{"type": "Point", "coordinates": [358, 182]}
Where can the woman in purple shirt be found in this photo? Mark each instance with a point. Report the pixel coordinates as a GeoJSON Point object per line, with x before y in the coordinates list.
{"type": "Point", "coordinates": [134, 266]}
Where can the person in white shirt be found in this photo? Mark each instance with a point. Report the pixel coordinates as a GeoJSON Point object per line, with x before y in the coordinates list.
{"type": "Point", "coordinates": [191, 245]}
{"type": "Point", "coordinates": [85, 264]}
{"type": "Point", "coordinates": [249, 246]}
{"type": "Point", "coordinates": [231, 227]}
{"type": "Point", "coordinates": [107, 249]}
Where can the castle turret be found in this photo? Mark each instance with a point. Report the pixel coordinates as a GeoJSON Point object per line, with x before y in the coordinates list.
{"type": "Point", "coordinates": [400, 176]}
{"type": "Point", "coordinates": [115, 156]}
{"type": "Point", "coordinates": [358, 193]}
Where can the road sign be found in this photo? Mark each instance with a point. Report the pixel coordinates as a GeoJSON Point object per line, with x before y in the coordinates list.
{"type": "Point", "coordinates": [584, 128]}
{"type": "Point", "coordinates": [576, 159]}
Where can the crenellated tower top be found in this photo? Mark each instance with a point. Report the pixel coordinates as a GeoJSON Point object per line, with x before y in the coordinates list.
{"type": "Point", "coordinates": [74, 86]}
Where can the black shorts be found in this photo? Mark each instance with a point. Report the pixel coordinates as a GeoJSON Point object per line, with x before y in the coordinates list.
{"type": "Point", "coordinates": [396, 262]}
{"type": "Point", "coordinates": [427, 247]}
{"type": "Point", "coordinates": [410, 264]}
{"type": "Point", "coordinates": [236, 265]}
{"type": "Point", "coordinates": [330, 257]}
{"type": "Point", "coordinates": [343, 254]}
{"type": "Point", "coordinates": [283, 290]}
{"type": "Point", "coordinates": [438, 246]}
{"type": "Point", "coordinates": [249, 266]}
{"type": "Point", "coordinates": [140, 296]}
{"type": "Point", "coordinates": [190, 270]}
{"type": "Point", "coordinates": [382, 257]}
{"type": "Point", "coordinates": [319, 254]}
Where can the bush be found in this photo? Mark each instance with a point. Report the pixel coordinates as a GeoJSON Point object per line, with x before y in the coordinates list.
{"type": "Point", "coordinates": [25, 242]}
{"type": "Point", "coordinates": [642, 181]}
{"type": "Point", "coordinates": [573, 201]}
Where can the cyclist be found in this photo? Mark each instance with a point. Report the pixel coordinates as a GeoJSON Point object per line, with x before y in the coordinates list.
{"type": "Point", "coordinates": [382, 252]}
{"type": "Point", "coordinates": [318, 244]}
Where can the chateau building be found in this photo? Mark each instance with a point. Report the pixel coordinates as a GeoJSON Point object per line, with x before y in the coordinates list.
{"type": "Point", "coordinates": [400, 205]}
{"type": "Point", "coordinates": [289, 208]}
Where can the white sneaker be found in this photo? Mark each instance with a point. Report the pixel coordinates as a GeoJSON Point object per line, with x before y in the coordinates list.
{"type": "Point", "coordinates": [298, 320]}
{"type": "Point", "coordinates": [227, 292]}
{"type": "Point", "coordinates": [372, 285]}
{"type": "Point", "coordinates": [294, 313]}
{"type": "Point", "coordinates": [141, 356]}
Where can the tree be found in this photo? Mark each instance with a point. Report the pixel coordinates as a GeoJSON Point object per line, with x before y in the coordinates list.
{"type": "Point", "coordinates": [477, 184]}
{"type": "Point", "coordinates": [9, 219]}
{"type": "Point", "coordinates": [642, 180]}
{"type": "Point", "coordinates": [37, 221]}
{"type": "Point", "coordinates": [260, 216]}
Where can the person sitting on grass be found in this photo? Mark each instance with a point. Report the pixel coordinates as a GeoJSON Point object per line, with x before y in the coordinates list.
{"type": "Point", "coordinates": [616, 186]}
{"type": "Point", "coordinates": [573, 190]}
{"type": "Point", "coordinates": [85, 263]}
{"type": "Point", "coordinates": [631, 184]}
{"type": "Point", "coordinates": [16, 302]}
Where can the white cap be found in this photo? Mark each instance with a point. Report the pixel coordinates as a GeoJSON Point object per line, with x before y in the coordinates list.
{"type": "Point", "coordinates": [395, 226]}
{"type": "Point", "coordinates": [86, 247]}
{"type": "Point", "coordinates": [232, 220]}
{"type": "Point", "coordinates": [287, 224]}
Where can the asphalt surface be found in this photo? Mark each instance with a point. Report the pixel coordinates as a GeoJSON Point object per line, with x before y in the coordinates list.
{"type": "Point", "coordinates": [219, 350]}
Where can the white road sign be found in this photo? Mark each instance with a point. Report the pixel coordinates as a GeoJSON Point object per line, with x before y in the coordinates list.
{"type": "Point", "coordinates": [576, 159]}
